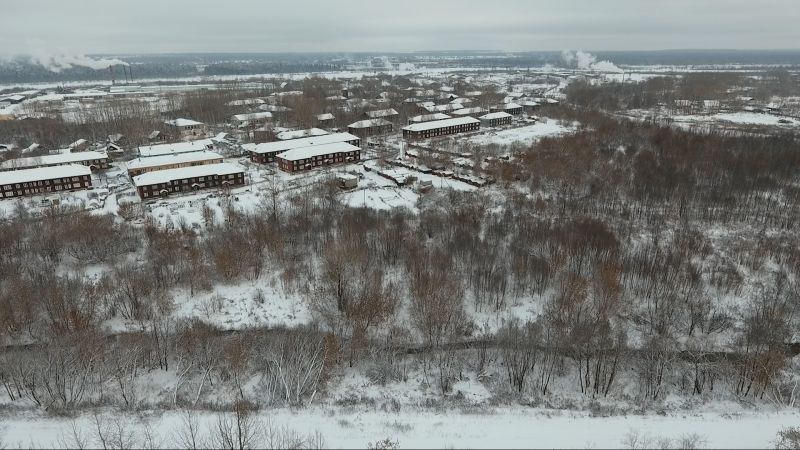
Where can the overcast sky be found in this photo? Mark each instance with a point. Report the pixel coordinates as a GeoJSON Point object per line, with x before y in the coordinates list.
{"type": "Point", "coordinates": [162, 26]}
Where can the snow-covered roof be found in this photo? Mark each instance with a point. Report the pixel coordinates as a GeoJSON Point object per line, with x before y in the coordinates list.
{"type": "Point", "coordinates": [246, 101]}
{"type": "Point", "coordinates": [325, 116]}
{"type": "Point", "coordinates": [511, 106]}
{"type": "Point", "coordinates": [468, 111]}
{"type": "Point", "coordinates": [495, 115]}
{"type": "Point", "coordinates": [176, 147]}
{"type": "Point", "coordinates": [274, 108]}
{"type": "Point", "coordinates": [381, 113]}
{"type": "Point", "coordinates": [317, 150]}
{"type": "Point", "coordinates": [172, 158]}
{"type": "Point", "coordinates": [51, 160]}
{"type": "Point", "coordinates": [447, 107]}
{"type": "Point", "coordinates": [182, 123]}
{"type": "Point", "coordinates": [296, 134]}
{"type": "Point", "coordinates": [252, 116]}
{"type": "Point", "coordinates": [165, 176]}
{"type": "Point", "coordinates": [43, 173]}
{"type": "Point", "coordinates": [78, 143]}
{"type": "Point", "coordinates": [369, 123]}
{"type": "Point", "coordinates": [424, 126]}
{"type": "Point", "coordinates": [282, 146]}
{"type": "Point", "coordinates": [429, 117]}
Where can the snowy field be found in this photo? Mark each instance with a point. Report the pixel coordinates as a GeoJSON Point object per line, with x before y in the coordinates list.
{"type": "Point", "coordinates": [742, 118]}
{"type": "Point", "coordinates": [523, 135]}
{"type": "Point", "coordinates": [509, 428]}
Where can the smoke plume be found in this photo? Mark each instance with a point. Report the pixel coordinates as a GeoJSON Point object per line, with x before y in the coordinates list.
{"type": "Point", "coordinates": [57, 63]}
{"type": "Point", "coordinates": [587, 61]}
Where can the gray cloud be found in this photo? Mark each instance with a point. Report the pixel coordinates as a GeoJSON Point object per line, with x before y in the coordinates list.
{"type": "Point", "coordinates": [150, 26]}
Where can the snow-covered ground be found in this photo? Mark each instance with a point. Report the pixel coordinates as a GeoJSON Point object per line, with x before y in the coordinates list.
{"type": "Point", "coordinates": [522, 135]}
{"type": "Point", "coordinates": [245, 305]}
{"type": "Point", "coordinates": [746, 118]}
{"type": "Point", "coordinates": [516, 427]}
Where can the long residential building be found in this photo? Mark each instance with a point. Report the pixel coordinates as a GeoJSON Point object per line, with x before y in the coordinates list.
{"type": "Point", "coordinates": [370, 127]}
{"type": "Point", "coordinates": [139, 166]}
{"type": "Point", "coordinates": [297, 134]}
{"type": "Point", "coordinates": [91, 159]}
{"type": "Point", "coordinates": [495, 119]}
{"type": "Point", "coordinates": [187, 179]}
{"type": "Point", "coordinates": [42, 180]}
{"type": "Point", "coordinates": [428, 118]}
{"type": "Point", "coordinates": [381, 114]}
{"type": "Point", "coordinates": [266, 152]}
{"type": "Point", "coordinates": [511, 108]}
{"type": "Point", "coordinates": [472, 112]}
{"type": "Point", "coordinates": [307, 158]}
{"type": "Point", "coordinates": [176, 147]}
{"type": "Point", "coordinates": [441, 127]}
{"type": "Point", "coordinates": [257, 117]}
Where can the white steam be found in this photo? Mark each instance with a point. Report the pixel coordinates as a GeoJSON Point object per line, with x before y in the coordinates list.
{"type": "Point", "coordinates": [587, 61]}
{"type": "Point", "coordinates": [57, 63]}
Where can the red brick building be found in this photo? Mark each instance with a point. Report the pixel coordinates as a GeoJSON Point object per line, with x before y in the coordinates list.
{"type": "Point", "coordinates": [495, 119]}
{"type": "Point", "coordinates": [93, 160]}
{"type": "Point", "coordinates": [441, 128]}
{"type": "Point", "coordinates": [311, 157]}
{"type": "Point", "coordinates": [266, 153]}
{"type": "Point", "coordinates": [43, 180]}
{"type": "Point", "coordinates": [187, 179]}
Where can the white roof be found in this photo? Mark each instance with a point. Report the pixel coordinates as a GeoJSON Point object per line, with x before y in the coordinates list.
{"type": "Point", "coordinates": [317, 150]}
{"type": "Point", "coordinates": [246, 101]}
{"type": "Point", "coordinates": [495, 115]}
{"type": "Point", "coordinates": [467, 111]}
{"type": "Point", "coordinates": [77, 143]}
{"type": "Point", "coordinates": [441, 123]}
{"type": "Point", "coordinates": [182, 122]}
{"type": "Point", "coordinates": [447, 107]}
{"type": "Point", "coordinates": [274, 108]}
{"type": "Point", "coordinates": [326, 116]}
{"type": "Point", "coordinates": [172, 158]}
{"type": "Point", "coordinates": [252, 116]}
{"type": "Point", "coordinates": [429, 117]}
{"type": "Point", "coordinates": [381, 113]}
{"type": "Point", "coordinates": [282, 146]}
{"type": "Point", "coordinates": [511, 106]}
{"type": "Point", "coordinates": [295, 134]}
{"type": "Point", "coordinates": [165, 176]}
{"type": "Point", "coordinates": [369, 123]}
{"type": "Point", "coordinates": [176, 147]}
{"type": "Point", "coordinates": [43, 173]}
{"type": "Point", "coordinates": [50, 160]}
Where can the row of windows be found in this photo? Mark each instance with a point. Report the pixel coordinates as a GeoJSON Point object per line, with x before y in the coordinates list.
{"type": "Point", "coordinates": [324, 157]}
{"type": "Point", "coordinates": [55, 181]}
{"type": "Point", "coordinates": [446, 130]}
{"type": "Point", "coordinates": [294, 165]}
{"type": "Point", "coordinates": [185, 187]}
{"type": "Point", "coordinates": [41, 189]}
{"type": "Point", "coordinates": [192, 180]}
